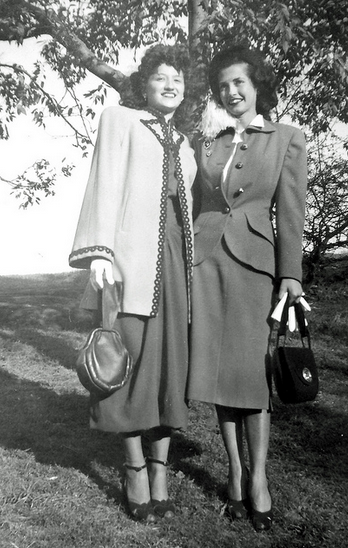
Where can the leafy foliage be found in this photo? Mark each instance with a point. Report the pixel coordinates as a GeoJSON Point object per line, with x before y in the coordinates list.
{"type": "Point", "coordinates": [39, 179]}
{"type": "Point", "coordinates": [307, 44]}
{"type": "Point", "coordinates": [306, 41]}
{"type": "Point", "coordinates": [327, 199]}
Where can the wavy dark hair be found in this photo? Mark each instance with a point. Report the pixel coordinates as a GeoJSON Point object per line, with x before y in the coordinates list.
{"type": "Point", "coordinates": [259, 71]}
{"type": "Point", "coordinates": [177, 56]}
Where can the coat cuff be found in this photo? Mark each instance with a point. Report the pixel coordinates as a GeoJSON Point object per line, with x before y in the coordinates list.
{"type": "Point", "coordinates": [81, 258]}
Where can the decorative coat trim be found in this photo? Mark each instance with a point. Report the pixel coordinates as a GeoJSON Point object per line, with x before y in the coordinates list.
{"type": "Point", "coordinates": [91, 249]}
{"type": "Point", "coordinates": [170, 146]}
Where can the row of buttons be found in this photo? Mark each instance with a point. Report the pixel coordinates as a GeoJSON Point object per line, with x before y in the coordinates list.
{"type": "Point", "coordinates": [239, 165]}
{"type": "Point", "coordinates": [227, 209]}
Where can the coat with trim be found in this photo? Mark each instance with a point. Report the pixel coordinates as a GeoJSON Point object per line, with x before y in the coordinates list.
{"type": "Point", "coordinates": [269, 169]}
{"type": "Point", "coordinates": [120, 215]}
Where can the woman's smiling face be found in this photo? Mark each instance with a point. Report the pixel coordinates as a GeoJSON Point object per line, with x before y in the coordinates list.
{"type": "Point", "coordinates": [165, 89]}
{"type": "Point", "coordinates": [237, 92]}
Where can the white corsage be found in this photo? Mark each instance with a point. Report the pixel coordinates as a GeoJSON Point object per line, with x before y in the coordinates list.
{"type": "Point", "coordinates": [215, 119]}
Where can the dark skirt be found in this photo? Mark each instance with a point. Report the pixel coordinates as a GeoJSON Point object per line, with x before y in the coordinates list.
{"type": "Point", "coordinates": [155, 394]}
{"type": "Point", "coordinates": [231, 304]}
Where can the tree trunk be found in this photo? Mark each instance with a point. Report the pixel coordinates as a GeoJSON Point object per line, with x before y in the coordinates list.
{"type": "Point", "coordinates": [199, 52]}
{"type": "Point", "coordinates": [196, 14]}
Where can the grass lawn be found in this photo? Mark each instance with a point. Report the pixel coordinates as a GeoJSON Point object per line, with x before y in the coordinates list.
{"type": "Point", "coordinates": [61, 484]}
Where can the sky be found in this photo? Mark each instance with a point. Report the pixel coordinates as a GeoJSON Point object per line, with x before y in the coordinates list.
{"type": "Point", "coordinates": [39, 239]}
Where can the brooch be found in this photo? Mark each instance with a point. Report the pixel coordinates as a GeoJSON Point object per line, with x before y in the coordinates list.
{"type": "Point", "coordinates": [207, 144]}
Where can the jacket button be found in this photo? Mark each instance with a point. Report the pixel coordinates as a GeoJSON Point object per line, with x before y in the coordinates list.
{"type": "Point", "coordinates": [239, 165]}
{"type": "Point", "coordinates": [227, 209]}
{"type": "Point", "coordinates": [217, 188]}
{"type": "Point", "coordinates": [244, 146]}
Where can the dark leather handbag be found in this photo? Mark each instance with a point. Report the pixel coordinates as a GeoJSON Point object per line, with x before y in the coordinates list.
{"type": "Point", "coordinates": [295, 372]}
{"type": "Point", "coordinates": [104, 364]}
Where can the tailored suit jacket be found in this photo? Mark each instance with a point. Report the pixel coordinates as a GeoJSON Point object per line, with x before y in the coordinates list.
{"type": "Point", "coordinates": [122, 217]}
{"type": "Point", "coordinates": [259, 209]}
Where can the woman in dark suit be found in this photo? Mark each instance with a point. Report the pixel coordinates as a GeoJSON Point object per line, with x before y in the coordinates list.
{"type": "Point", "coordinates": [251, 185]}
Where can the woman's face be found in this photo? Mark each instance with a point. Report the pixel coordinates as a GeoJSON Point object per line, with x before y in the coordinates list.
{"type": "Point", "coordinates": [237, 92]}
{"type": "Point", "coordinates": [165, 89]}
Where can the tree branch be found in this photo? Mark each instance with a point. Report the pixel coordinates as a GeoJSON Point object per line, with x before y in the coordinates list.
{"type": "Point", "coordinates": [48, 22]}
{"type": "Point", "coordinates": [55, 105]}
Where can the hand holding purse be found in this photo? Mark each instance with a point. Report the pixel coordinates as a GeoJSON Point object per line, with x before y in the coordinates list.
{"type": "Point", "coordinates": [104, 364]}
{"type": "Point", "coordinates": [294, 369]}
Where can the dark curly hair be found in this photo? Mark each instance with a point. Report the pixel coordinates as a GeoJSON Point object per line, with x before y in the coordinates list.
{"type": "Point", "coordinates": [259, 71]}
{"type": "Point", "coordinates": [177, 56]}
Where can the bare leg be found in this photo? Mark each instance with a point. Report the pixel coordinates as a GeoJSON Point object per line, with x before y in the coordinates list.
{"type": "Point", "coordinates": [231, 426]}
{"type": "Point", "coordinates": [137, 482]}
{"type": "Point", "coordinates": [159, 443]}
{"type": "Point", "coordinates": [257, 426]}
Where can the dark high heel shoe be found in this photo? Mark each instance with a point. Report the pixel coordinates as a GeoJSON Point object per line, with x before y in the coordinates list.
{"type": "Point", "coordinates": [262, 521]}
{"type": "Point", "coordinates": [237, 509]}
{"type": "Point", "coordinates": [143, 511]}
{"type": "Point", "coordinates": [163, 508]}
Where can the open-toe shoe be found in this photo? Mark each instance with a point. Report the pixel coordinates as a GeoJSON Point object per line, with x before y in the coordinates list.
{"type": "Point", "coordinates": [139, 511]}
{"type": "Point", "coordinates": [262, 521]}
{"type": "Point", "coordinates": [163, 508]}
{"type": "Point", "coordinates": [237, 509]}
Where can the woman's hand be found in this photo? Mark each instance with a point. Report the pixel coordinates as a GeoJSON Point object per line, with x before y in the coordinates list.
{"type": "Point", "coordinates": [99, 267]}
{"type": "Point", "coordinates": [293, 287]}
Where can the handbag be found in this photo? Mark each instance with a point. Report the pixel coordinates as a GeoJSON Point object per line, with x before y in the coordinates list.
{"type": "Point", "coordinates": [104, 364]}
{"type": "Point", "coordinates": [294, 368]}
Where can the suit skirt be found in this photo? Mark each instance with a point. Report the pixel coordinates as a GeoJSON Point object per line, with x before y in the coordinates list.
{"type": "Point", "coordinates": [231, 305]}
{"type": "Point", "coordinates": [155, 394]}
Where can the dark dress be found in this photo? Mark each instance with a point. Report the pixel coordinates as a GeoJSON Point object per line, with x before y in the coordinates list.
{"type": "Point", "coordinates": [155, 394]}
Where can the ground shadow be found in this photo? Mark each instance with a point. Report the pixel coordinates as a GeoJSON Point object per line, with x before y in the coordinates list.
{"type": "Point", "coordinates": [55, 429]}
{"type": "Point", "coordinates": [37, 418]}
{"type": "Point", "coordinates": [318, 437]}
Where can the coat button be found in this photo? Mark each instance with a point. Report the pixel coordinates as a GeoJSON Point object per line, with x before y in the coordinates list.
{"type": "Point", "coordinates": [227, 209]}
{"type": "Point", "coordinates": [217, 188]}
{"type": "Point", "coordinates": [239, 165]}
{"type": "Point", "coordinates": [238, 193]}
{"type": "Point", "coordinates": [244, 146]}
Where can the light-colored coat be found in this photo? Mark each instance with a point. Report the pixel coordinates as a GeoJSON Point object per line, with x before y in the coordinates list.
{"type": "Point", "coordinates": [269, 168]}
{"type": "Point", "coordinates": [120, 215]}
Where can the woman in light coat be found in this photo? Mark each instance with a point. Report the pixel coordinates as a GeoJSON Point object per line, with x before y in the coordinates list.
{"type": "Point", "coordinates": [135, 227]}
{"type": "Point", "coordinates": [251, 188]}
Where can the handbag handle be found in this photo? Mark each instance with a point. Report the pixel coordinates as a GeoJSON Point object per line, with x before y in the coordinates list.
{"type": "Point", "coordinates": [300, 318]}
{"type": "Point", "coordinates": [109, 303]}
